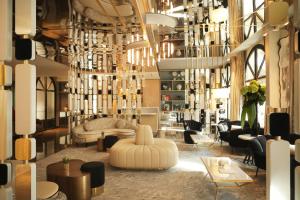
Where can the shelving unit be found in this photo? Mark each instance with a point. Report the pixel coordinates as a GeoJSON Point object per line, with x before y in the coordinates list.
{"type": "Point", "coordinates": [172, 90]}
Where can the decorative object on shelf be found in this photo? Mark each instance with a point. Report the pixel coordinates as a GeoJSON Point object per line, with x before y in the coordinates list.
{"type": "Point", "coordinates": [66, 162]}
{"type": "Point", "coordinates": [178, 53]}
{"type": "Point", "coordinates": [166, 107]}
{"type": "Point", "coordinates": [178, 86]}
{"type": "Point", "coordinates": [174, 74]}
{"type": "Point", "coordinates": [182, 74]}
{"type": "Point", "coordinates": [167, 98]}
{"type": "Point", "coordinates": [253, 94]}
{"type": "Point", "coordinates": [165, 87]}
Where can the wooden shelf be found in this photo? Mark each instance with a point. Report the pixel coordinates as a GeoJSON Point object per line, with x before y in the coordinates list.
{"type": "Point", "coordinates": [172, 90]}
{"type": "Point", "coordinates": [173, 80]}
{"type": "Point", "coordinates": [176, 97]}
{"type": "Point", "coordinates": [172, 100]}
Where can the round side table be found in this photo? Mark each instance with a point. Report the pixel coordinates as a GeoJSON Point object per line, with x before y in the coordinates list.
{"type": "Point", "coordinates": [73, 182]}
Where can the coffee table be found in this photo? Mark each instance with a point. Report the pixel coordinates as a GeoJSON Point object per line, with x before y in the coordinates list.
{"type": "Point", "coordinates": [73, 182]}
{"type": "Point", "coordinates": [231, 177]}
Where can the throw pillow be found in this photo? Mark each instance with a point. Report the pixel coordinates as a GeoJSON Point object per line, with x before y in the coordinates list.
{"type": "Point", "coordinates": [121, 123]}
{"type": "Point", "coordinates": [78, 129]}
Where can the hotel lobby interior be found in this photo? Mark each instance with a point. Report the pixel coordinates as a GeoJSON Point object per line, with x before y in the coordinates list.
{"type": "Point", "coordinates": [150, 99]}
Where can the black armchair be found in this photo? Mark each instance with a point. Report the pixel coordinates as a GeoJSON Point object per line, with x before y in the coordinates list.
{"type": "Point", "coordinates": [231, 136]}
{"type": "Point", "coordinates": [224, 130]}
{"type": "Point", "coordinates": [187, 136]}
{"type": "Point", "coordinates": [258, 148]}
{"type": "Point", "coordinates": [192, 125]}
{"type": "Point", "coordinates": [234, 140]}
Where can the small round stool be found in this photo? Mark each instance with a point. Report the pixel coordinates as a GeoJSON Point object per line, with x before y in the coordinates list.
{"type": "Point", "coordinates": [97, 171]}
{"type": "Point", "coordinates": [109, 141]}
{"type": "Point", "coordinates": [46, 189]}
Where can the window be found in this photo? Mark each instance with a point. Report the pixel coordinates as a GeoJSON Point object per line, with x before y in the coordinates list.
{"type": "Point", "coordinates": [253, 12]}
{"type": "Point", "coordinates": [255, 69]}
{"type": "Point", "coordinates": [45, 102]}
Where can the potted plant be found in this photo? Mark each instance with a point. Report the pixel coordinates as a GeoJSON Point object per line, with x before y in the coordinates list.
{"type": "Point", "coordinates": [253, 94]}
{"type": "Point", "coordinates": [66, 162]}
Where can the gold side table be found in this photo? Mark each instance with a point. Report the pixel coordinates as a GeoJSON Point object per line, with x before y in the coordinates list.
{"type": "Point", "coordinates": [73, 182]}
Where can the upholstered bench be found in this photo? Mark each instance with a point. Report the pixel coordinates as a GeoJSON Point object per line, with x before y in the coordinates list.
{"type": "Point", "coordinates": [97, 171]}
{"type": "Point", "coordinates": [144, 151]}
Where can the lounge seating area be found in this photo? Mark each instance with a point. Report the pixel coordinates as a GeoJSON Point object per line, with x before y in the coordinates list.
{"type": "Point", "coordinates": [149, 100]}
{"type": "Point", "coordinates": [99, 128]}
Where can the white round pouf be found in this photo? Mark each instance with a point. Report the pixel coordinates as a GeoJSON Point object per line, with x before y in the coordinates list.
{"type": "Point", "coordinates": [144, 151]}
{"type": "Point", "coordinates": [163, 154]}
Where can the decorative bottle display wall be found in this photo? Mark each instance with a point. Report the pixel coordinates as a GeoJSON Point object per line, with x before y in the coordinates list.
{"type": "Point", "coordinates": [194, 92]}
{"type": "Point", "coordinates": [105, 78]}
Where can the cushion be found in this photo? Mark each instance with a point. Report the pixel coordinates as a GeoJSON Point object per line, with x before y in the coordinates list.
{"type": "Point", "coordinates": [121, 123]}
{"type": "Point", "coordinates": [78, 129]}
{"type": "Point", "coordinates": [99, 124]}
{"type": "Point", "coordinates": [221, 127]}
{"type": "Point", "coordinates": [130, 126]}
{"type": "Point", "coordinates": [144, 135]}
{"type": "Point", "coordinates": [94, 132]}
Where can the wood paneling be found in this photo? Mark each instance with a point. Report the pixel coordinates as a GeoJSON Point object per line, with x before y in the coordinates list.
{"type": "Point", "coordinates": [151, 93]}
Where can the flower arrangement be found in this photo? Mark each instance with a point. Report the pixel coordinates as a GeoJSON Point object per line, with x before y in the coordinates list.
{"type": "Point", "coordinates": [253, 94]}
{"type": "Point", "coordinates": [66, 160]}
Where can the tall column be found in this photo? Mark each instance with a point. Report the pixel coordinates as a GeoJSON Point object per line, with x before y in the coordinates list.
{"type": "Point", "coordinates": [6, 191]}
{"type": "Point", "coordinates": [25, 99]}
{"type": "Point", "coordinates": [277, 79]}
{"type": "Point", "coordinates": [238, 61]}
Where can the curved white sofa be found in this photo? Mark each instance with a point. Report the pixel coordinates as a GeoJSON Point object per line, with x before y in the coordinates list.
{"type": "Point", "coordinates": [144, 152]}
{"type": "Point", "coordinates": [94, 129]}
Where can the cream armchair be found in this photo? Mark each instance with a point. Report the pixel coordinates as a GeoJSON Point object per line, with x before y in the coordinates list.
{"type": "Point", "coordinates": [144, 152]}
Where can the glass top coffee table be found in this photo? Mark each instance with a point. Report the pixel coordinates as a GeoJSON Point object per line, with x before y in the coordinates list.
{"type": "Point", "coordinates": [225, 173]}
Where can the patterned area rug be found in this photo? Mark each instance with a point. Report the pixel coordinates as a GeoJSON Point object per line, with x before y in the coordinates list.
{"type": "Point", "coordinates": [185, 181]}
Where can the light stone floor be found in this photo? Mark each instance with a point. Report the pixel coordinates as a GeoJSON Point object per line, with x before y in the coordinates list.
{"type": "Point", "coordinates": [185, 181]}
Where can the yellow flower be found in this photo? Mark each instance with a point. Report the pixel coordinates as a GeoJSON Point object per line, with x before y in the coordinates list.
{"type": "Point", "coordinates": [254, 82]}
{"type": "Point", "coordinates": [245, 90]}
{"type": "Point", "coordinates": [263, 88]}
{"type": "Point", "coordinates": [253, 88]}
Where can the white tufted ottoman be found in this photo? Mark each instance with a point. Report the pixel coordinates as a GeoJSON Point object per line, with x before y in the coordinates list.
{"type": "Point", "coordinates": [144, 152]}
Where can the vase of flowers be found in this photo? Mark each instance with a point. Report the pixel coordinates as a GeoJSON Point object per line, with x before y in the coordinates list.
{"type": "Point", "coordinates": [66, 162]}
{"type": "Point", "coordinates": [253, 94]}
